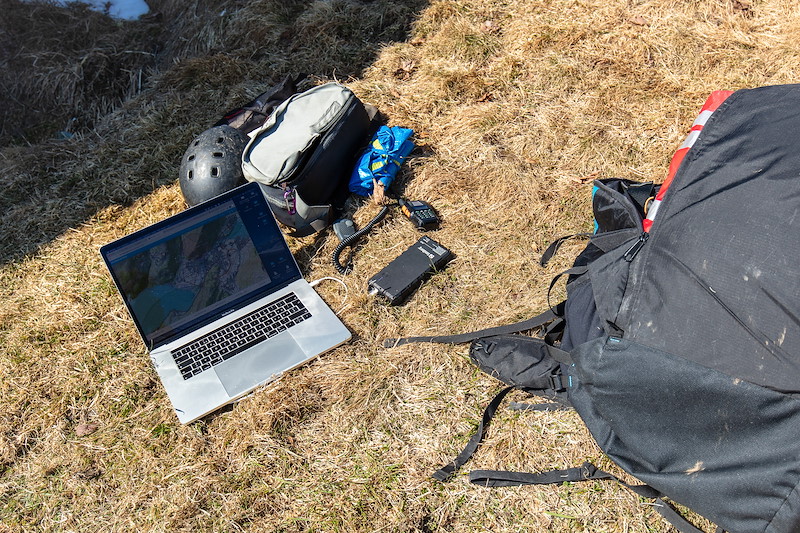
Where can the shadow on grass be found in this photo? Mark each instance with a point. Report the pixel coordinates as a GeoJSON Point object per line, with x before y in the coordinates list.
{"type": "Point", "coordinates": [118, 102]}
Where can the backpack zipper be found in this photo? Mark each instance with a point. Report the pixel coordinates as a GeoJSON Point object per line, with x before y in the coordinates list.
{"type": "Point", "coordinates": [635, 247]}
{"type": "Point", "coordinates": [290, 199]}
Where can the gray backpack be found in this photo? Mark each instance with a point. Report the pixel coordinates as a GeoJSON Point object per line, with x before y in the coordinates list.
{"type": "Point", "coordinates": [304, 153]}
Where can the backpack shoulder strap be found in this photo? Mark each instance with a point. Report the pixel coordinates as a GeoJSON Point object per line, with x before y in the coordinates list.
{"type": "Point", "coordinates": [586, 472]}
{"type": "Point", "coordinates": [531, 323]}
{"type": "Point", "coordinates": [449, 470]}
{"type": "Point", "coordinates": [554, 312]}
{"type": "Point", "coordinates": [551, 250]}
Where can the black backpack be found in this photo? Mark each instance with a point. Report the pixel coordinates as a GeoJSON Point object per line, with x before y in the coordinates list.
{"type": "Point", "coordinates": [679, 344]}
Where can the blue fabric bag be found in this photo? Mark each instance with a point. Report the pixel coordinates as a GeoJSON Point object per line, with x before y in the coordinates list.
{"type": "Point", "coordinates": [382, 159]}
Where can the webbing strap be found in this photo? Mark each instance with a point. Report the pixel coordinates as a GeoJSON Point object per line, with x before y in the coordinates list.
{"type": "Point", "coordinates": [556, 244]}
{"type": "Point", "coordinates": [559, 355]}
{"type": "Point", "coordinates": [531, 323]}
{"type": "Point", "coordinates": [553, 332]}
{"type": "Point", "coordinates": [586, 472]}
{"type": "Point", "coordinates": [608, 241]}
{"type": "Point", "coordinates": [504, 478]}
{"type": "Point", "coordinates": [574, 271]}
{"type": "Point", "coordinates": [605, 241]}
{"type": "Point", "coordinates": [546, 406]}
{"type": "Point", "coordinates": [672, 516]}
{"type": "Point", "coordinates": [448, 471]}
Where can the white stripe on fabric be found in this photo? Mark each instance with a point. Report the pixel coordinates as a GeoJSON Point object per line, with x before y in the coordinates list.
{"type": "Point", "coordinates": [702, 118]}
{"type": "Point", "coordinates": [690, 139]}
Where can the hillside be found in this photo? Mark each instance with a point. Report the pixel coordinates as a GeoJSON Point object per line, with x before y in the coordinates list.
{"type": "Point", "coordinates": [516, 106]}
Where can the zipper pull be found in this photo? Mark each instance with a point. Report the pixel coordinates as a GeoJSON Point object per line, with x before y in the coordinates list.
{"type": "Point", "coordinates": [635, 247]}
{"type": "Point", "coordinates": [289, 196]}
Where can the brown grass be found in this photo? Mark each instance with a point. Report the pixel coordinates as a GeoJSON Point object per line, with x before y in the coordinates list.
{"type": "Point", "coordinates": [513, 103]}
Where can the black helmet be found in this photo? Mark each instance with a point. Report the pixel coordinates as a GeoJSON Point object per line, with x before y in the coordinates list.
{"type": "Point", "coordinates": [212, 164]}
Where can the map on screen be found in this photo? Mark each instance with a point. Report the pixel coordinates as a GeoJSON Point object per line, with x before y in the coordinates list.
{"type": "Point", "coordinates": [203, 267]}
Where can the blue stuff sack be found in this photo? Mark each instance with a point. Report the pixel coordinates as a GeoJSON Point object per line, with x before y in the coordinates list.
{"type": "Point", "coordinates": [381, 160]}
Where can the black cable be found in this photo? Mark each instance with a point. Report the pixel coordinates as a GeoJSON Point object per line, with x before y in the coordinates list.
{"type": "Point", "coordinates": [352, 239]}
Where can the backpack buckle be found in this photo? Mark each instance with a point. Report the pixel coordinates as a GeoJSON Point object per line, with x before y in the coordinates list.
{"type": "Point", "coordinates": [556, 383]}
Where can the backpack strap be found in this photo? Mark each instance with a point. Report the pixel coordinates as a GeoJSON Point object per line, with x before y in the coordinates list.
{"type": "Point", "coordinates": [556, 244]}
{"type": "Point", "coordinates": [251, 115]}
{"type": "Point", "coordinates": [574, 271]}
{"type": "Point", "coordinates": [605, 241]}
{"type": "Point", "coordinates": [586, 472]}
{"type": "Point", "coordinates": [449, 470]}
{"type": "Point", "coordinates": [547, 406]}
{"type": "Point", "coordinates": [612, 239]}
{"type": "Point", "coordinates": [531, 323]}
{"type": "Point", "coordinates": [554, 313]}
{"type": "Point", "coordinates": [671, 515]}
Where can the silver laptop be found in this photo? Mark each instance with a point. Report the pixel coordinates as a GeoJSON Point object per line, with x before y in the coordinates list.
{"type": "Point", "coordinates": [220, 301]}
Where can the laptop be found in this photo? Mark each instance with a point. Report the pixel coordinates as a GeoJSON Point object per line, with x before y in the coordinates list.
{"type": "Point", "coordinates": [219, 301]}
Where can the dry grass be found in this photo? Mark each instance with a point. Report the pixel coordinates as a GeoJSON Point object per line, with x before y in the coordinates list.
{"type": "Point", "coordinates": [513, 101]}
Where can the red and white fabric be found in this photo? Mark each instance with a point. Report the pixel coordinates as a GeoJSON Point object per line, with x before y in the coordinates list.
{"type": "Point", "coordinates": [712, 103]}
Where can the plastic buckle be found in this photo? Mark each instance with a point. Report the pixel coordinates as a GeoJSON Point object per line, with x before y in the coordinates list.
{"type": "Point", "coordinates": [588, 470]}
{"type": "Point", "coordinates": [556, 383]}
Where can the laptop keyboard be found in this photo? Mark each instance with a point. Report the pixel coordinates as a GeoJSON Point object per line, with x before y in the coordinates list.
{"type": "Point", "coordinates": [221, 344]}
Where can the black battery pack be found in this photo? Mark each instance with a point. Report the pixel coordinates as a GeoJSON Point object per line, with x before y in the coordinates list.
{"type": "Point", "coordinates": [407, 271]}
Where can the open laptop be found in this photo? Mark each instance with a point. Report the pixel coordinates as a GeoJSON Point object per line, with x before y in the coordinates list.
{"type": "Point", "coordinates": [220, 301]}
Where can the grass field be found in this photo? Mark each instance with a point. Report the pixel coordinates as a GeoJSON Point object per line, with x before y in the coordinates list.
{"type": "Point", "coordinates": [516, 105]}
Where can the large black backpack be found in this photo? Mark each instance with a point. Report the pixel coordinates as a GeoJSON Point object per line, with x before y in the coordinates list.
{"type": "Point", "coordinates": [679, 347]}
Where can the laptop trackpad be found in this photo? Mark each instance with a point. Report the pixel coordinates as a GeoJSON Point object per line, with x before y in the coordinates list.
{"type": "Point", "coordinates": [255, 366]}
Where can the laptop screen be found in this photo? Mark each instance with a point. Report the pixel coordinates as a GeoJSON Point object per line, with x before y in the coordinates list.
{"type": "Point", "coordinates": [199, 265]}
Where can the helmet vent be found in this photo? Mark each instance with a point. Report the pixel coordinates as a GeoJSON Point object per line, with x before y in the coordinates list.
{"type": "Point", "coordinates": [190, 158]}
{"type": "Point", "coordinates": [219, 140]}
{"type": "Point", "coordinates": [215, 172]}
{"type": "Point", "coordinates": [190, 174]}
{"type": "Point", "coordinates": [218, 154]}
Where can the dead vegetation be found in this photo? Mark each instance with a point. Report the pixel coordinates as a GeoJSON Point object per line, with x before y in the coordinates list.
{"type": "Point", "coordinates": [516, 106]}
